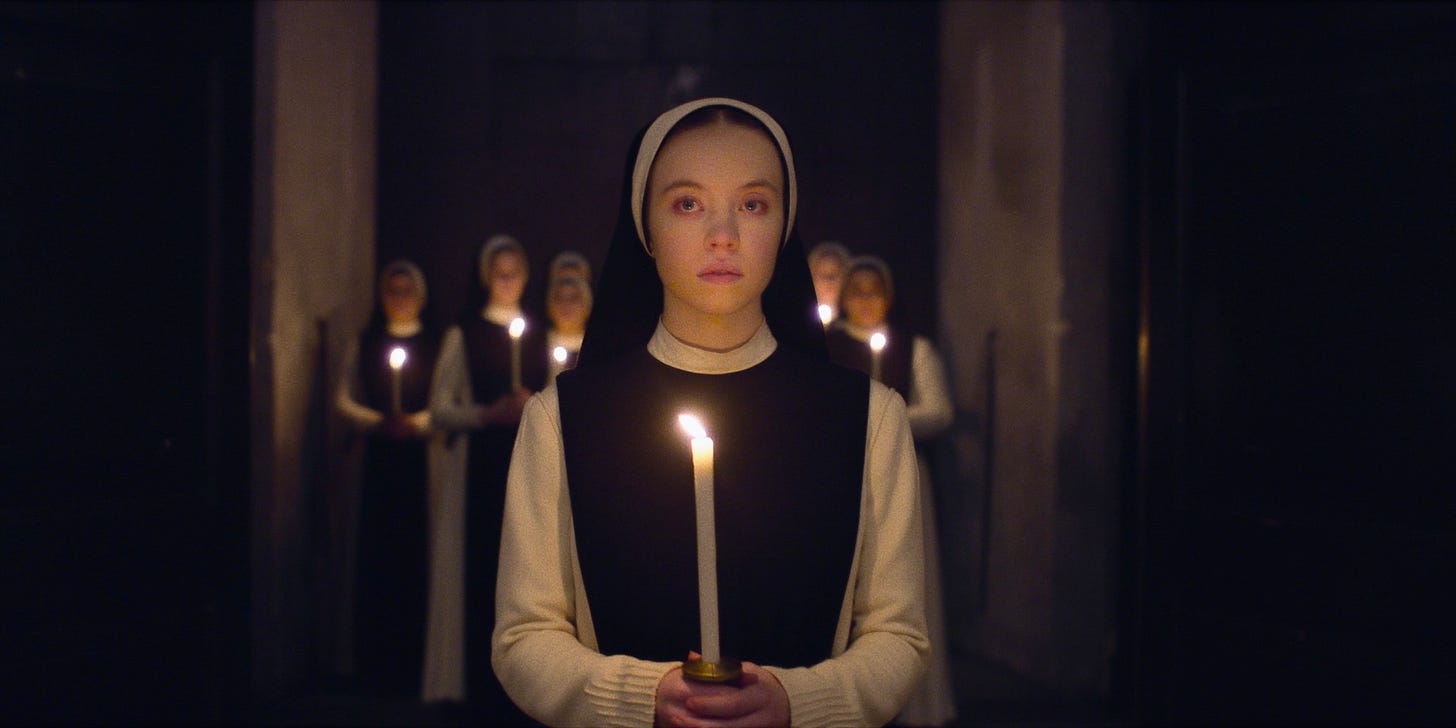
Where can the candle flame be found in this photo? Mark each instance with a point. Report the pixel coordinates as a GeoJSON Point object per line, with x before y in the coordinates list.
{"type": "Point", "coordinates": [877, 341]}
{"type": "Point", "coordinates": [518, 327]}
{"type": "Point", "coordinates": [825, 313]}
{"type": "Point", "coordinates": [692, 425]}
{"type": "Point", "coordinates": [559, 354]}
{"type": "Point", "coordinates": [397, 357]}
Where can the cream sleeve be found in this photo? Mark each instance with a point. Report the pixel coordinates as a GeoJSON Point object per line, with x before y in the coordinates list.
{"type": "Point", "coordinates": [881, 648]}
{"type": "Point", "coordinates": [444, 665]}
{"type": "Point", "coordinates": [349, 395]}
{"type": "Point", "coordinates": [544, 649]}
{"type": "Point", "coordinates": [452, 404]}
{"type": "Point", "coordinates": [929, 409]}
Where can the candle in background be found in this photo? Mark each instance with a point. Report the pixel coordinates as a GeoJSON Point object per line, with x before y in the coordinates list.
{"type": "Point", "coordinates": [826, 314]}
{"type": "Point", "coordinates": [707, 540]}
{"type": "Point", "coordinates": [877, 345]}
{"type": "Point", "coordinates": [396, 363]}
{"type": "Point", "coordinates": [557, 363]}
{"type": "Point", "coordinates": [518, 327]}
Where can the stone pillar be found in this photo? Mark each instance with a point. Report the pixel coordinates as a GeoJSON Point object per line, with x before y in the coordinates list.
{"type": "Point", "coordinates": [313, 263]}
{"type": "Point", "coordinates": [1028, 187]}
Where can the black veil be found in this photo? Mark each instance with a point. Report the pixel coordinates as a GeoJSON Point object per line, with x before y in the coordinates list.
{"type": "Point", "coordinates": [628, 295]}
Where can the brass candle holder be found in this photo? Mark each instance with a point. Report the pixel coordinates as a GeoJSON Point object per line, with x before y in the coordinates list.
{"type": "Point", "coordinates": [726, 670]}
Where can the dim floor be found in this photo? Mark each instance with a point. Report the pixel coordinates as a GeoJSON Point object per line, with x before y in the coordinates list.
{"type": "Point", "coordinates": [987, 695]}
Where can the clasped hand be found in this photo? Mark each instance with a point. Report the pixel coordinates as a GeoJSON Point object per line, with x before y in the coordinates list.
{"type": "Point", "coordinates": [405, 426]}
{"type": "Point", "coordinates": [757, 699]}
{"type": "Point", "coordinates": [505, 410]}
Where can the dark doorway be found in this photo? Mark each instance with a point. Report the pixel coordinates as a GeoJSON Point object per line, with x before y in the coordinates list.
{"type": "Point", "coordinates": [124, 158]}
{"type": "Point", "coordinates": [1295, 518]}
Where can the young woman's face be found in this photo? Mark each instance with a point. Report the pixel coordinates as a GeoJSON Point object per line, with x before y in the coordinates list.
{"type": "Point", "coordinates": [865, 301]}
{"type": "Point", "coordinates": [827, 270]}
{"type": "Point", "coordinates": [506, 277]}
{"type": "Point", "coordinates": [715, 218]}
{"type": "Point", "coordinates": [400, 299]}
{"type": "Point", "coordinates": [567, 308]}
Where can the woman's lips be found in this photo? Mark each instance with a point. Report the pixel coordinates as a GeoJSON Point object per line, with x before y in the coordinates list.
{"type": "Point", "coordinates": [720, 273]}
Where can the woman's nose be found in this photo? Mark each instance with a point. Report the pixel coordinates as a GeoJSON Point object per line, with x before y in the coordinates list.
{"type": "Point", "coordinates": [723, 232]}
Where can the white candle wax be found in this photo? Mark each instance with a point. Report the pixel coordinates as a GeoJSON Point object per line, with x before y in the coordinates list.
{"type": "Point", "coordinates": [877, 345]}
{"type": "Point", "coordinates": [518, 327]}
{"type": "Point", "coordinates": [396, 362]}
{"type": "Point", "coordinates": [707, 541]}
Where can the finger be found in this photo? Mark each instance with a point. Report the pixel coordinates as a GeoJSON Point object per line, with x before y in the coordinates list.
{"type": "Point", "coordinates": [727, 705]}
{"type": "Point", "coordinates": [693, 689]}
{"type": "Point", "coordinates": [675, 691]}
{"type": "Point", "coordinates": [673, 687]}
{"type": "Point", "coordinates": [675, 716]}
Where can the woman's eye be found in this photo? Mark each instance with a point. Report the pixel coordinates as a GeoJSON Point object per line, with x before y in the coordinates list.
{"type": "Point", "coordinates": [686, 204]}
{"type": "Point", "coordinates": [755, 205]}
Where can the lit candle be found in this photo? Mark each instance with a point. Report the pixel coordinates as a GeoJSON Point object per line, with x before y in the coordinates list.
{"type": "Point", "coordinates": [826, 314]}
{"type": "Point", "coordinates": [558, 361]}
{"type": "Point", "coordinates": [877, 345]}
{"type": "Point", "coordinates": [396, 363]}
{"type": "Point", "coordinates": [518, 327]}
{"type": "Point", "coordinates": [707, 542]}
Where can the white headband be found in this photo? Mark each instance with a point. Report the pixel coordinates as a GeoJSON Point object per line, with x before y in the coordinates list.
{"type": "Point", "coordinates": [655, 134]}
{"type": "Point", "coordinates": [568, 258]}
{"type": "Point", "coordinates": [874, 263]}
{"type": "Point", "coordinates": [397, 267]}
{"type": "Point", "coordinates": [494, 245]}
{"type": "Point", "coordinates": [831, 249]}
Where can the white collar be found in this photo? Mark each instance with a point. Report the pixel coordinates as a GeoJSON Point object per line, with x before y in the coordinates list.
{"type": "Point", "coordinates": [500, 315]}
{"type": "Point", "coordinates": [572, 342]}
{"type": "Point", "coordinates": [404, 330]}
{"type": "Point", "coordinates": [667, 349]}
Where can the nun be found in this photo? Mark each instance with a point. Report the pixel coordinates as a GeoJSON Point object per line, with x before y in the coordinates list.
{"type": "Point", "coordinates": [911, 366]}
{"type": "Point", "coordinates": [705, 305]}
{"type": "Point", "coordinates": [384, 395]}
{"type": "Point", "coordinates": [568, 307]}
{"type": "Point", "coordinates": [492, 361]}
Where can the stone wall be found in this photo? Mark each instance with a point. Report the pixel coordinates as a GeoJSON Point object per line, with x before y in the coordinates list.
{"type": "Point", "coordinates": [1029, 196]}
{"type": "Point", "coordinates": [313, 262]}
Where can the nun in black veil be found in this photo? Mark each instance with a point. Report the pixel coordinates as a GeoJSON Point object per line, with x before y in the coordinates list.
{"type": "Point", "coordinates": [489, 367]}
{"type": "Point", "coordinates": [705, 305]}
{"type": "Point", "coordinates": [384, 395]}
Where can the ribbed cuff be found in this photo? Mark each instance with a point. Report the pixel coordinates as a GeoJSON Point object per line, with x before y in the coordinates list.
{"type": "Point", "coordinates": [814, 702]}
{"type": "Point", "coordinates": [626, 693]}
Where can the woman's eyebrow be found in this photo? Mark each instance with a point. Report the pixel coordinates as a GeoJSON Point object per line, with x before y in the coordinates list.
{"type": "Point", "coordinates": [698, 185]}
{"type": "Point", "coordinates": [681, 183]}
{"type": "Point", "coordinates": [760, 183]}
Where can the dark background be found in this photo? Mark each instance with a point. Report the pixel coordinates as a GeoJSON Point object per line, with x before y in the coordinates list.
{"type": "Point", "coordinates": [124, 207]}
{"type": "Point", "coordinates": [1287, 537]}
{"type": "Point", "coordinates": [516, 118]}
{"type": "Point", "coordinates": [1295, 520]}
